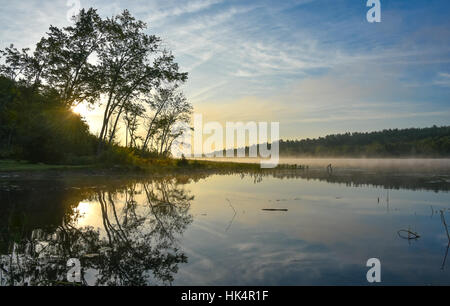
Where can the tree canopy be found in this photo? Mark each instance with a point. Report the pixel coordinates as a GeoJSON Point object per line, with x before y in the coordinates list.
{"type": "Point", "coordinates": [109, 62]}
{"type": "Point", "coordinates": [419, 142]}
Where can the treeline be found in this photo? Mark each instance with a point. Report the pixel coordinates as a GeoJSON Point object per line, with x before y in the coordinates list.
{"type": "Point", "coordinates": [414, 142]}
{"type": "Point", "coordinates": [36, 126]}
{"type": "Point", "coordinates": [110, 62]}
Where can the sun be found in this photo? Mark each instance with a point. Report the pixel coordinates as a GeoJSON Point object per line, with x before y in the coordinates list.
{"type": "Point", "coordinates": [81, 109]}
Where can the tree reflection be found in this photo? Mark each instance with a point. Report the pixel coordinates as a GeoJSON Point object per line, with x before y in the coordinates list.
{"type": "Point", "coordinates": [137, 244]}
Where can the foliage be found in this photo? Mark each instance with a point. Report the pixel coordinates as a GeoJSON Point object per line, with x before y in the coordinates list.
{"type": "Point", "coordinates": [38, 127]}
{"type": "Point", "coordinates": [94, 60]}
{"type": "Point", "coordinates": [131, 64]}
{"type": "Point", "coordinates": [169, 120]}
{"type": "Point", "coordinates": [419, 142]}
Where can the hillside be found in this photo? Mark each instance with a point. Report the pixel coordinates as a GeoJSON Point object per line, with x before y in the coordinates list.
{"type": "Point", "coordinates": [413, 142]}
{"type": "Point", "coordinates": [417, 142]}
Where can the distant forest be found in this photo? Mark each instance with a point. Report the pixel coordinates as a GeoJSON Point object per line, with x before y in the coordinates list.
{"type": "Point", "coordinates": [420, 142]}
{"type": "Point", "coordinates": [413, 142]}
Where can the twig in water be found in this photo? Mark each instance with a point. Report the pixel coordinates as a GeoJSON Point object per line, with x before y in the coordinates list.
{"type": "Point", "coordinates": [274, 209]}
{"type": "Point", "coordinates": [448, 237]}
{"type": "Point", "coordinates": [234, 216]}
{"type": "Point", "coordinates": [411, 235]}
{"type": "Point", "coordinates": [445, 257]}
{"type": "Point", "coordinates": [445, 224]}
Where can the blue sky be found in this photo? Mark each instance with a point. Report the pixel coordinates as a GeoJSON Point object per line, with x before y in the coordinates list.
{"type": "Point", "coordinates": [316, 66]}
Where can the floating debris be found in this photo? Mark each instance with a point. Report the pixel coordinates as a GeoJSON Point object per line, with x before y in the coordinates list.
{"type": "Point", "coordinates": [445, 224]}
{"type": "Point", "coordinates": [407, 234]}
{"type": "Point", "coordinates": [274, 209]}
{"type": "Point", "coordinates": [234, 216]}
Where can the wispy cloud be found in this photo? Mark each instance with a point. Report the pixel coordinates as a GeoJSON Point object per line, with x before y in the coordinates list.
{"type": "Point", "coordinates": [443, 79]}
{"type": "Point", "coordinates": [181, 8]}
{"type": "Point", "coordinates": [301, 62]}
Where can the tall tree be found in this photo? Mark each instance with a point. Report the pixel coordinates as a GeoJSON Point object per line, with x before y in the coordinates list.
{"type": "Point", "coordinates": [131, 64]}
{"type": "Point", "coordinates": [97, 60]}
{"type": "Point", "coordinates": [169, 107]}
{"type": "Point", "coordinates": [22, 67]}
{"type": "Point", "coordinates": [157, 103]}
{"type": "Point", "coordinates": [133, 113]}
{"type": "Point", "coordinates": [68, 51]}
{"type": "Point", "coordinates": [60, 61]}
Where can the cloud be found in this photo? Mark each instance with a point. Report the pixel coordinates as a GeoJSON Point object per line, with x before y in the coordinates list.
{"type": "Point", "coordinates": [181, 8]}
{"type": "Point", "coordinates": [443, 79]}
{"type": "Point", "coordinates": [204, 91]}
{"type": "Point", "coordinates": [296, 62]}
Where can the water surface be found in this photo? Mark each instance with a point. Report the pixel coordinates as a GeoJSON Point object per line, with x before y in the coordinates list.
{"type": "Point", "coordinates": [320, 229]}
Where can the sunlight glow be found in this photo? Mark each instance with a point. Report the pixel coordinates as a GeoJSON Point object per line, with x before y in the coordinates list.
{"type": "Point", "coordinates": [83, 208]}
{"type": "Point", "coordinates": [81, 109]}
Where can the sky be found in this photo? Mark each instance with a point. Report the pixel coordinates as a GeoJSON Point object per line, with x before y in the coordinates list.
{"type": "Point", "coordinates": [316, 66]}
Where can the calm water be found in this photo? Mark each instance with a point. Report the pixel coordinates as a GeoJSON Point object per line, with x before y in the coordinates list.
{"type": "Point", "coordinates": [213, 229]}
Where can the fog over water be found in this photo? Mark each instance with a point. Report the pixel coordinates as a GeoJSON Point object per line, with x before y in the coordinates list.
{"type": "Point", "coordinates": [384, 164]}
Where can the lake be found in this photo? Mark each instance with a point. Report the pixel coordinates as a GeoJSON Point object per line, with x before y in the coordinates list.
{"type": "Point", "coordinates": [280, 227]}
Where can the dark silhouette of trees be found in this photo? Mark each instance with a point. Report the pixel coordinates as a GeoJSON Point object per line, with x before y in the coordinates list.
{"type": "Point", "coordinates": [66, 66]}
{"type": "Point", "coordinates": [38, 127]}
{"type": "Point", "coordinates": [169, 108]}
{"type": "Point", "coordinates": [95, 60]}
{"type": "Point", "coordinates": [432, 142]}
{"type": "Point", "coordinates": [60, 62]}
{"type": "Point", "coordinates": [131, 65]}
{"type": "Point", "coordinates": [420, 142]}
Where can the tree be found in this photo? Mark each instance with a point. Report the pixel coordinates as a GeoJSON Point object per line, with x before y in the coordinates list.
{"type": "Point", "coordinates": [169, 107]}
{"type": "Point", "coordinates": [157, 103]}
{"type": "Point", "coordinates": [95, 58]}
{"type": "Point", "coordinates": [60, 61]}
{"type": "Point", "coordinates": [131, 64]}
{"type": "Point", "coordinates": [21, 67]}
{"type": "Point", "coordinates": [67, 51]}
{"type": "Point", "coordinates": [424, 142]}
{"type": "Point", "coordinates": [133, 112]}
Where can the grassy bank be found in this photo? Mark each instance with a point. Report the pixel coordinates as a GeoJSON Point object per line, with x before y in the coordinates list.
{"type": "Point", "coordinates": [14, 165]}
{"type": "Point", "coordinates": [147, 166]}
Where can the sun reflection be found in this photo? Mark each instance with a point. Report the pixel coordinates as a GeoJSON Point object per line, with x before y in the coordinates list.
{"type": "Point", "coordinates": [83, 208]}
{"type": "Point", "coordinates": [89, 214]}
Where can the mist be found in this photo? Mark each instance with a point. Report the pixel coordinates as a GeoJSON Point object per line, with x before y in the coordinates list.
{"type": "Point", "coordinates": [440, 165]}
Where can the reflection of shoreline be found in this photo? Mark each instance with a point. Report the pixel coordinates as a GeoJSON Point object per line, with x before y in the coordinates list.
{"type": "Point", "coordinates": [388, 180]}
{"type": "Point", "coordinates": [31, 204]}
{"type": "Point", "coordinates": [404, 165]}
{"type": "Point", "coordinates": [139, 244]}
{"type": "Point", "coordinates": [412, 180]}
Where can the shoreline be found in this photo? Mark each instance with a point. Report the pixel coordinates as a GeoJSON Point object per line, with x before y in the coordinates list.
{"type": "Point", "coordinates": [172, 167]}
